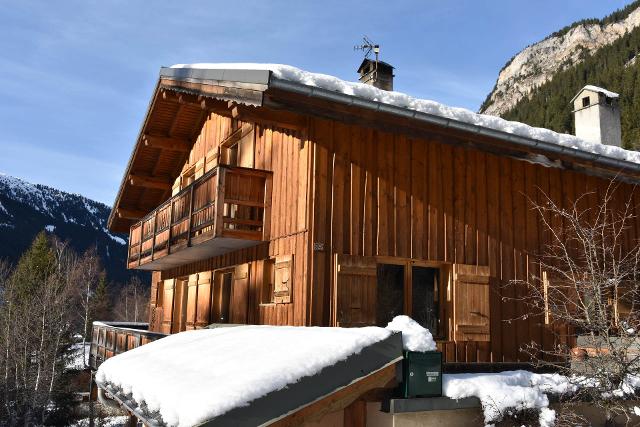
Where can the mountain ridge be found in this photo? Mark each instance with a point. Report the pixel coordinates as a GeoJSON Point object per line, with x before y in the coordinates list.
{"type": "Point", "coordinates": [26, 209]}
{"type": "Point", "coordinates": [536, 64]}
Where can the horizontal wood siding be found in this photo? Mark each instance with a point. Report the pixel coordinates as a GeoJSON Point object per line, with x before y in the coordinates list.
{"type": "Point", "coordinates": [437, 199]}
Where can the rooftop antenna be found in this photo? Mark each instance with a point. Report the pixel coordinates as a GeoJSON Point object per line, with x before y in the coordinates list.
{"type": "Point", "coordinates": [367, 47]}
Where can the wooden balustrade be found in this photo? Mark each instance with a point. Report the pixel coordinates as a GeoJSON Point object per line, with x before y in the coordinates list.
{"type": "Point", "coordinates": [228, 205]}
{"type": "Point", "coordinates": [111, 338]}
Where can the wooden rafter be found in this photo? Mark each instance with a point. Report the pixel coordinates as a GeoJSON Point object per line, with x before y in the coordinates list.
{"type": "Point", "coordinates": [281, 119]}
{"type": "Point", "coordinates": [149, 182]}
{"type": "Point", "coordinates": [166, 143]}
{"type": "Point", "coordinates": [131, 213]}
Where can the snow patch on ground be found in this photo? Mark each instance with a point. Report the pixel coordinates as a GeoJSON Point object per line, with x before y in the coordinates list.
{"type": "Point", "coordinates": [360, 90]}
{"type": "Point", "coordinates": [511, 390]}
{"type": "Point", "coordinates": [414, 336]}
{"type": "Point", "coordinates": [117, 421]}
{"type": "Point", "coordinates": [228, 367]}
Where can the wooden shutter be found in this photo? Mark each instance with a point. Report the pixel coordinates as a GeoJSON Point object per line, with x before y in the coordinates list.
{"type": "Point", "coordinates": [191, 302]}
{"type": "Point", "coordinates": [355, 290]}
{"type": "Point", "coordinates": [471, 303]}
{"type": "Point", "coordinates": [239, 294]}
{"type": "Point", "coordinates": [167, 304]}
{"type": "Point", "coordinates": [283, 279]}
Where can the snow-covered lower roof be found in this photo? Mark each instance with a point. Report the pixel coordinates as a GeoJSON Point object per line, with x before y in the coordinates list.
{"type": "Point", "coordinates": [195, 376]}
{"type": "Point", "coordinates": [404, 101]}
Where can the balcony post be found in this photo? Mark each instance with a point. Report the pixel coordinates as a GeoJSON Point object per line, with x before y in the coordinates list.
{"type": "Point", "coordinates": [170, 225]}
{"type": "Point", "coordinates": [219, 205]}
{"type": "Point", "coordinates": [153, 237]}
{"type": "Point", "coordinates": [140, 243]}
{"type": "Point", "coordinates": [190, 214]}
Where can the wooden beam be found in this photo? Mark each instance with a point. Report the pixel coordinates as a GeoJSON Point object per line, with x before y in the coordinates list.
{"type": "Point", "coordinates": [166, 143]}
{"type": "Point", "coordinates": [356, 414]}
{"type": "Point", "coordinates": [131, 213]}
{"type": "Point", "coordinates": [281, 119]}
{"type": "Point", "coordinates": [149, 182]}
{"type": "Point", "coordinates": [237, 135]}
{"type": "Point", "coordinates": [339, 399]}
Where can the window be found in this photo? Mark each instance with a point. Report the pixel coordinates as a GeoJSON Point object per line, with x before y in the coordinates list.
{"type": "Point", "coordinates": [585, 102]}
{"type": "Point", "coordinates": [238, 149]}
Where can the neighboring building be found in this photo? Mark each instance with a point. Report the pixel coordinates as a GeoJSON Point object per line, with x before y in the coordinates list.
{"type": "Point", "coordinates": [267, 195]}
{"type": "Point", "coordinates": [597, 116]}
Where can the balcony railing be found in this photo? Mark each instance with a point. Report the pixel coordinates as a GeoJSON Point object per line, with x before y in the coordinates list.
{"type": "Point", "coordinates": [223, 210]}
{"type": "Point", "coordinates": [111, 338]}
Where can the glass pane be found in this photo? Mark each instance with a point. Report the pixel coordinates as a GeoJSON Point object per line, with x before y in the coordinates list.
{"type": "Point", "coordinates": [390, 295]}
{"type": "Point", "coordinates": [425, 297]}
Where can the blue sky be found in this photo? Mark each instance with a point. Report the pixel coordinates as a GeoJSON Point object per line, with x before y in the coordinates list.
{"type": "Point", "coordinates": [76, 76]}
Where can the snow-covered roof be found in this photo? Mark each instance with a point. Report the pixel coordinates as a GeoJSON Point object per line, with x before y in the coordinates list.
{"type": "Point", "coordinates": [603, 91]}
{"type": "Point", "coordinates": [195, 376]}
{"type": "Point", "coordinates": [407, 102]}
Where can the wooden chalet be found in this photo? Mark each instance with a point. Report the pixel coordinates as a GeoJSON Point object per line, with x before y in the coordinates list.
{"type": "Point", "coordinates": [258, 199]}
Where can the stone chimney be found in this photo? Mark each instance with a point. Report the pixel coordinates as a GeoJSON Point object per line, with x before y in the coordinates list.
{"type": "Point", "coordinates": [596, 113]}
{"type": "Point", "coordinates": [378, 74]}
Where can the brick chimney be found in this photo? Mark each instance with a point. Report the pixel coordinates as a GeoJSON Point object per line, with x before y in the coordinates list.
{"type": "Point", "coordinates": [596, 112]}
{"type": "Point", "coordinates": [378, 74]}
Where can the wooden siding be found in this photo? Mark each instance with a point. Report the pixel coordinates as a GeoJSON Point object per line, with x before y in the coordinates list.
{"type": "Point", "coordinates": [288, 155]}
{"type": "Point", "coordinates": [438, 199]}
{"type": "Point", "coordinates": [346, 189]}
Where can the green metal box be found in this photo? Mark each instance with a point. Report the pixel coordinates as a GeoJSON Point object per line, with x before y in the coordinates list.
{"type": "Point", "coordinates": [422, 374]}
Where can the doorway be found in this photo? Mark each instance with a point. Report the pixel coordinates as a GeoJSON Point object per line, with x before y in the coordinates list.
{"type": "Point", "coordinates": [221, 296]}
{"type": "Point", "coordinates": [390, 293]}
{"type": "Point", "coordinates": [425, 297]}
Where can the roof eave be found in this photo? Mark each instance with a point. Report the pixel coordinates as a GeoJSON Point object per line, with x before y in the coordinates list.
{"type": "Point", "coordinates": [521, 141]}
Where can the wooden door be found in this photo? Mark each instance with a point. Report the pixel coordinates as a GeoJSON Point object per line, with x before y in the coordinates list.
{"type": "Point", "coordinates": [179, 318]}
{"type": "Point", "coordinates": [239, 304]}
{"type": "Point", "coordinates": [471, 303]}
{"type": "Point", "coordinates": [355, 279]}
{"type": "Point", "coordinates": [203, 308]}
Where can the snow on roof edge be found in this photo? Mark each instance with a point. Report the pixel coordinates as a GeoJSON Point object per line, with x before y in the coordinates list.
{"type": "Point", "coordinates": [601, 90]}
{"type": "Point", "coordinates": [402, 100]}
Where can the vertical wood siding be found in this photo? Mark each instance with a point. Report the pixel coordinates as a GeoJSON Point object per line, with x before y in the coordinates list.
{"type": "Point", "coordinates": [377, 193]}
{"type": "Point", "coordinates": [287, 154]}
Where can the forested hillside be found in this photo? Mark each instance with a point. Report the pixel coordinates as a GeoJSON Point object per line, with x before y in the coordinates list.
{"type": "Point", "coordinates": [614, 67]}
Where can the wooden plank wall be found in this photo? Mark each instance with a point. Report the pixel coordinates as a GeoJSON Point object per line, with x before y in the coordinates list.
{"type": "Point", "coordinates": [286, 153]}
{"type": "Point", "coordinates": [377, 193]}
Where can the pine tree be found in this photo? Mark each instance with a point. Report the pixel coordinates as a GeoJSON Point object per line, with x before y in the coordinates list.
{"type": "Point", "coordinates": [34, 268]}
{"type": "Point", "coordinates": [101, 302]}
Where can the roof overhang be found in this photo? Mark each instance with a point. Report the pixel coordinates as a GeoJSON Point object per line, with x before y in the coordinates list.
{"type": "Point", "coordinates": [184, 96]}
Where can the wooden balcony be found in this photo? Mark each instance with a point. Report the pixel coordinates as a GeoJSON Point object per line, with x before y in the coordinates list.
{"type": "Point", "coordinates": [224, 210]}
{"type": "Point", "coordinates": [111, 338]}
